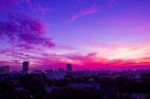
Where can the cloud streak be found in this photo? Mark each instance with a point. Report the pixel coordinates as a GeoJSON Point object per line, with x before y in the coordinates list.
{"type": "Point", "coordinates": [84, 12]}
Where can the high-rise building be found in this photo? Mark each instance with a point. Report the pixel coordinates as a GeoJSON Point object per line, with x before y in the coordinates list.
{"type": "Point", "coordinates": [69, 68]}
{"type": "Point", "coordinates": [25, 67]}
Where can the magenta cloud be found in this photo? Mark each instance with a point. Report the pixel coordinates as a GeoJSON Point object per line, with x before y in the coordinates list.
{"type": "Point", "coordinates": [84, 12]}
{"type": "Point", "coordinates": [23, 31]}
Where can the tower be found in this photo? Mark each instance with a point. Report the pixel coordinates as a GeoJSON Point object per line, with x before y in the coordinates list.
{"type": "Point", "coordinates": [69, 68]}
{"type": "Point", "coordinates": [25, 67]}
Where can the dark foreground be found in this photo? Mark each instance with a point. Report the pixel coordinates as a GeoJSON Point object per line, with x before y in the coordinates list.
{"type": "Point", "coordinates": [77, 86]}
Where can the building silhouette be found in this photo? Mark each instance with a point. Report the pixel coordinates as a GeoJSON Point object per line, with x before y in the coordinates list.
{"type": "Point", "coordinates": [69, 68]}
{"type": "Point", "coordinates": [25, 67]}
{"type": "Point", "coordinates": [4, 70]}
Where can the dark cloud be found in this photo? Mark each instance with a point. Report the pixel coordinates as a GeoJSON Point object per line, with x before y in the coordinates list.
{"type": "Point", "coordinates": [23, 31]}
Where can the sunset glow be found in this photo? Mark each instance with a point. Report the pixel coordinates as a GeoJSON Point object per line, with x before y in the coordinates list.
{"type": "Point", "coordinates": [90, 34]}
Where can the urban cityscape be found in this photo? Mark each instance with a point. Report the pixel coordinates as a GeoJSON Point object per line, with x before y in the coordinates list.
{"type": "Point", "coordinates": [74, 49]}
{"type": "Point", "coordinates": [69, 84]}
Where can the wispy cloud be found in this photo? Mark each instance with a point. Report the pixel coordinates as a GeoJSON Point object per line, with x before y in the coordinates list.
{"type": "Point", "coordinates": [84, 12]}
{"type": "Point", "coordinates": [113, 3]}
{"type": "Point", "coordinates": [34, 6]}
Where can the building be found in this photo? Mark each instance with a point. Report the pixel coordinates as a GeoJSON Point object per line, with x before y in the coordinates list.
{"type": "Point", "coordinates": [4, 70]}
{"type": "Point", "coordinates": [93, 85]}
{"type": "Point", "coordinates": [69, 68]}
{"type": "Point", "coordinates": [55, 74]}
{"type": "Point", "coordinates": [25, 67]}
{"type": "Point", "coordinates": [4, 73]}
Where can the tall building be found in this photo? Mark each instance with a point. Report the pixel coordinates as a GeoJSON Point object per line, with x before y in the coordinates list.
{"type": "Point", "coordinates": [25, 67]}
{"type": "Point", "coordinates": [69, 68]}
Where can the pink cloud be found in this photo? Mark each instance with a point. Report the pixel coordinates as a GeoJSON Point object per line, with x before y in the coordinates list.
{"type": "Point", "coordinates": [84, 12]}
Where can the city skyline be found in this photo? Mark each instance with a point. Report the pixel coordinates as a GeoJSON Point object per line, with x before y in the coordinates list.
{"type": "Point", "coordinates": [89, 34]}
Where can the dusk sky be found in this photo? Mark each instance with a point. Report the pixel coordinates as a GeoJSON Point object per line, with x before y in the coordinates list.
{"type": "Point", "coordinates": [90, 34]}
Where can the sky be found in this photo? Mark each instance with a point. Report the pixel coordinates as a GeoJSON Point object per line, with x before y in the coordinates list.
{"type": "Point", "coordinates": [89, 34]}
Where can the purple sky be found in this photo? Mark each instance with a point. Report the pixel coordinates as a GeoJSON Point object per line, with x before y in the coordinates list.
{"type": "Point", "coordinates": [87, 33]}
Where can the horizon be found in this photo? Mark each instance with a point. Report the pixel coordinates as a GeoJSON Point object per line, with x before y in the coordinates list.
{"type": "Point", "coordinates": [89, 34]}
